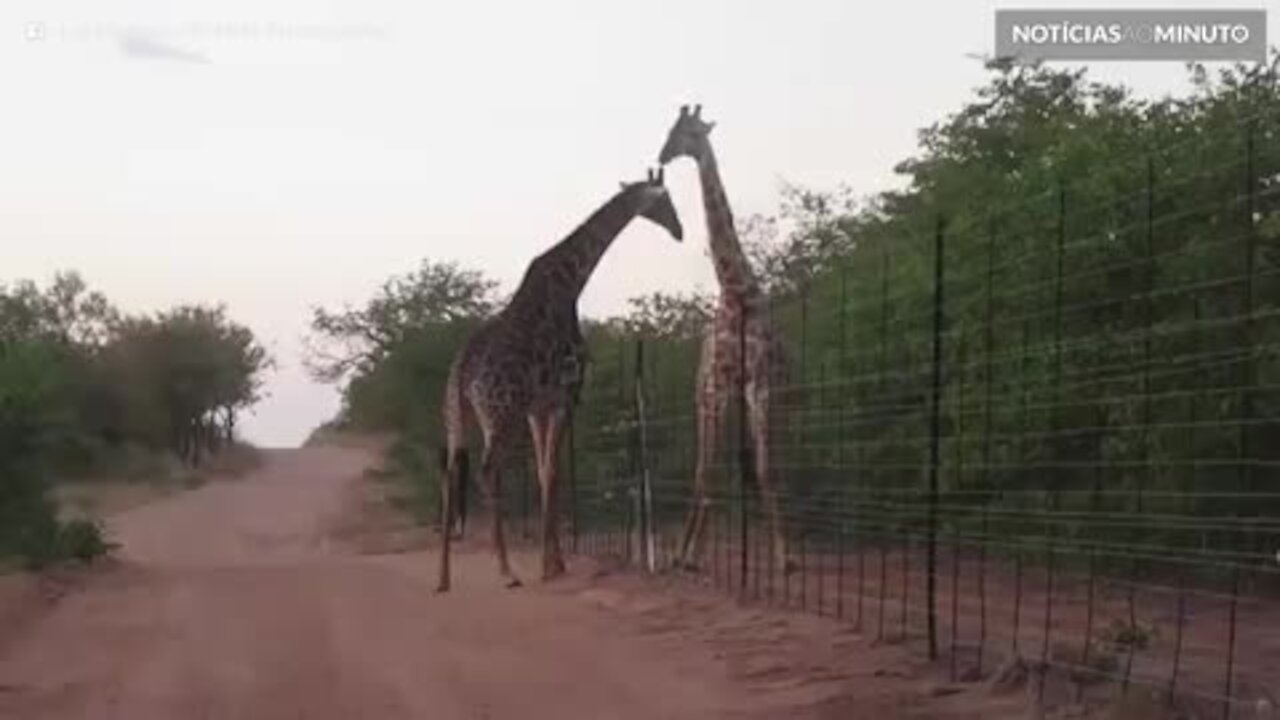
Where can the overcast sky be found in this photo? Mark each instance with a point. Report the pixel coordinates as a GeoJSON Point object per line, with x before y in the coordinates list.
{"type": "Point", "coordinates": [278, 154]}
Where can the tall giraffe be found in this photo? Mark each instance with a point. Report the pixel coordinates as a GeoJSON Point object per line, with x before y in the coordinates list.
{"type": "Point", "coordinates": [526, 365]}
{"type": "Point", "coordinates": [743, 308]}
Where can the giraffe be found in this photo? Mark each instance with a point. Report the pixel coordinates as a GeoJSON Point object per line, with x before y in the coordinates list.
{"type": "Point", "coordinates": [526, 365]}
{"type": "Point", "coordinates": [742, 308]}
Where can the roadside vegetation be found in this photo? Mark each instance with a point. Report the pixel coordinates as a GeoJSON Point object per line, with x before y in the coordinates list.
{"type": "Point", "coordinates": [1023, 135]}
{"type": "Point", "coordinates": [92, 395]}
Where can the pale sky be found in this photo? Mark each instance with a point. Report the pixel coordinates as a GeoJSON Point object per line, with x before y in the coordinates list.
{"type": "Point", "coordinates": [278, 154]}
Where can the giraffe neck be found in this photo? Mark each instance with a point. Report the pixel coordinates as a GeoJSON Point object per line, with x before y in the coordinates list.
{"type": "Point", "coordinates": [568, 264]}
{"type": "Point", "coordinates": [732, 269]}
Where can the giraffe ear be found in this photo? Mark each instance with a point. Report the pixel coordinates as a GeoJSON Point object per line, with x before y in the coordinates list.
{"type": "Point", "coordinates": [710, 127]}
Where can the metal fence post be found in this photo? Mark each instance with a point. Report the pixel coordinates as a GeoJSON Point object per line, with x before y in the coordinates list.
{"type": "Point", "coordinates": [935, 437]}
{"type": "Point", "coordinates": [842, 371]}
{"type": "Point", "coordinates": [645, 498]}
{"type": "Point", "coordinates": [988, 343]}
{"type": "Point", "coordinates": [1052, 496]}
{"type": "Point", "coordinates": [1244, 467]}
{"type": "Point", "coordinates": [745, 466]}
{"type": "Point", "coordinates": [882, 373]}
{"type": "Point", "coordinates": [573, 479]}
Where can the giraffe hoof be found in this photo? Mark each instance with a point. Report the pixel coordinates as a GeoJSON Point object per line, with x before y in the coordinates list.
{"type": "Point", "coordinates": [442, 588]}
{"type": "Point", "coordinates": [514, 583]}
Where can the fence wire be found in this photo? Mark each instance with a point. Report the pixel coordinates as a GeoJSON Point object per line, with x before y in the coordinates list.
{"type": "Point", "coordinates": [1047, 433]}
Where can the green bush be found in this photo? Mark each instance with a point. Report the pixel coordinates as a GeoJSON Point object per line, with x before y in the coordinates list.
{"type": "Point", "coordinates": [45, 541]}
{"type": "Point", "coordinates": [82, 540]}
{"type": "Point", "coordinates": [86, 392]}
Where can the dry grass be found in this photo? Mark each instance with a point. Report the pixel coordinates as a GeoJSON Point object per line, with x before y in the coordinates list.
{"type": "Point", "coordinates": [231, 463]}
{"type": "Point", "coordinates": [99, 499]}
{"type": "Point", "coordinates": [146, 478]}
{"type": "Point", "coordinates": [374, 442]}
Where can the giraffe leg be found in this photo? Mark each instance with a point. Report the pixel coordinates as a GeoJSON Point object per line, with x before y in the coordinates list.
{"type": "Point", "coordinates": [710, 419]}
{"type": "Point", "coordinates": [454, 519]}
{"type": "Point", "coordinates": [761, 419]}
{"type": "Point", "coordinates": [497, 444]}
{"type": "Point", "coordinates": [460, 504]}
{"type": "Point", "coordinates": [548, 435]}
{"type": "Point", "coordinates": [454, 464]}
{"type": "Point", "coordinates": [538, 430]}
{"type": "Point", "coordinates": [446, 537]}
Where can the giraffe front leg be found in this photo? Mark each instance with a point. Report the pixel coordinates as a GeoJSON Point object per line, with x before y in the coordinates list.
{"type": "Point", "coordinates": [695, 524]}
{"type": "Point", "coordinates": [691, 540]}
{"type": "Point", "coordinates": [446, 515]}
{"type": "Point", "coordinates": [709, 424]}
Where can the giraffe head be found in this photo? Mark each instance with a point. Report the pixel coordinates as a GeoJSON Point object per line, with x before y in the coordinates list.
{"type": "Point", "coordinates": [687, 137]}
{"type": "Point", "coordinates": [654, 202]}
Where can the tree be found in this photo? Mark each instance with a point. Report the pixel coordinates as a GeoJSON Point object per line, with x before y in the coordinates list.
{"type": "Point", "coordinates": [674, 316]}
{"type": "Point", "coordinates": [355, 340]}
{"type": "Point", "coordinates": [78, 380]}
{"type": "Point", "coordinates": [1151, 279]}
{"type": "Point", "coordinates": [185, 375]}
{"type": "Point", "coordinates": [393, 355]}
{"type": "Point", "coordinates": [67, 312]}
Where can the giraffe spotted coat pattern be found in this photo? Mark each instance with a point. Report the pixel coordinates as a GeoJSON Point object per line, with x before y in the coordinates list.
{"type": "Point", "coordinates": [525, 366]}
{"type": "Point", "coordinates": [741, 340]}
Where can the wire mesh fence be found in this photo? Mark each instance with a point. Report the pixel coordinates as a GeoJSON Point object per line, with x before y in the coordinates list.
{"type": "Point", "coordinates": [1046, 431]}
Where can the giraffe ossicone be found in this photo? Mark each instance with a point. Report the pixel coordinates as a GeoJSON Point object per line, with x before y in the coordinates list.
{"type": "Point", "coordinates": [739, 350]}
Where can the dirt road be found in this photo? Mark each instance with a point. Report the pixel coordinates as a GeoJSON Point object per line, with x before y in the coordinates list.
{"type": "Point", "coordinates": [241, 600]}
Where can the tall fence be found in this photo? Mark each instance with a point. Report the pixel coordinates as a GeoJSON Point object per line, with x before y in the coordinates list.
{"type": "Point", "coordinates": [1046, 432]}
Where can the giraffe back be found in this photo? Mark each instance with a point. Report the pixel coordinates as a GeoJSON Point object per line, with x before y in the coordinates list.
{"type": "Point", "coordinates": [529, 357]}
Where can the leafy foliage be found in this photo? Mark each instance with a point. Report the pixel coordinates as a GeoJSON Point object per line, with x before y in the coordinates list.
{"type": "Point", "coordinates": [1131, 370]}
{"type": "Point", "coordinates": [1091, 238]}
{"type": "Point", "coordinates": [393, 355]}
{"type": "Point", "coordinates": [355, 340]}
{"type": "Point", "coordinates": [81, 383]}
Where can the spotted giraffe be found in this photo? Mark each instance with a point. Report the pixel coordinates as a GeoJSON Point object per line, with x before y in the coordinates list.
{"type": "Point", "coordinates": [740, 334]}
{"type": "Point", "coordinates": [526, 365]}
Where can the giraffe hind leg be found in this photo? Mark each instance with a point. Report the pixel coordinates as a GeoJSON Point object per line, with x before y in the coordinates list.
{"type": "Point", "coordinates": [548, 432]}
{"type": "Point", "coordinates": [454, 470]}
{"type": "Point", "coordinates": [542, 428]}
{"type": "Point", "coordinates": [761, 419]}
{"type": "Point", "coordinates": [497, 446]}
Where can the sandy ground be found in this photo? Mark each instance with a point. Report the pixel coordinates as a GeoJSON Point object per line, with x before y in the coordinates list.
{"type": "Point", "coordinates": [275, 596]}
